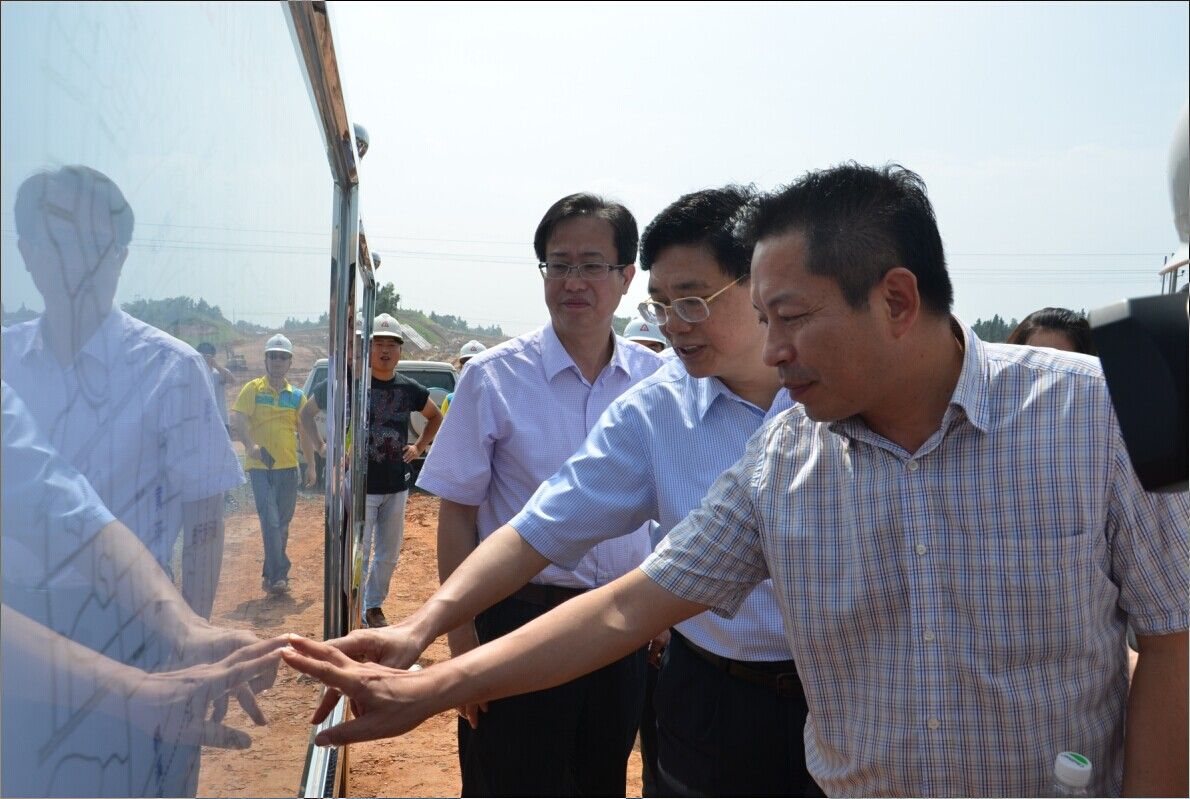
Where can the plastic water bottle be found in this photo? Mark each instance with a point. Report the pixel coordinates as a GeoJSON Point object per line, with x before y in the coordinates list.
{"type": "Point", "coordinates": [1072, 775]}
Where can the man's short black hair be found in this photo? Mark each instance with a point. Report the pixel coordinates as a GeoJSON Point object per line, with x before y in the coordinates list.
{"type": "Point", "coordinates": [75, 192]}
{"type": "Point", "coordinates": [703, 218]}
{"type": "Point", "coordinates": [622, 221]}
{"type": "Point", "coordinates": [860, 222]}
{"type": "Point", "coordinates": [206, 348]}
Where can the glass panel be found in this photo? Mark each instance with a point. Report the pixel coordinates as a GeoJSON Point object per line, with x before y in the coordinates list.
{"type": "Point", "coordinates": [165, 185]}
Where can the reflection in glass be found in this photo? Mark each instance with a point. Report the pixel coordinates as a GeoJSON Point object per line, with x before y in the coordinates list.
{"type": "Point", "coordinates": [165, 188]}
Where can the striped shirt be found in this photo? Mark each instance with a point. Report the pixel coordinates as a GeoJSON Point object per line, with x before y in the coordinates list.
{"type": "Point", "coordinates": [653, 455]}
{"type": "Point", "coordinates": [957, 613]}
{"type": "Point", "coordinates": [520, 410]}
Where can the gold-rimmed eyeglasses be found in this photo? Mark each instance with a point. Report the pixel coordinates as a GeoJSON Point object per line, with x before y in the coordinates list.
{"type": "Point", "coordinates": [691, 310]}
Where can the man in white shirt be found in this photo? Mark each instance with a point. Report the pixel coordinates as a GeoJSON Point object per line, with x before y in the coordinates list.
{"type": "Point", "coordinates": [521, 409]}
{"type": "Point", "coordinates": [129, 406]}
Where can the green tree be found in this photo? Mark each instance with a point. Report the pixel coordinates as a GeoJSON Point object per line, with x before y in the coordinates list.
{"type": "Point", "coordinates": [387, 300]}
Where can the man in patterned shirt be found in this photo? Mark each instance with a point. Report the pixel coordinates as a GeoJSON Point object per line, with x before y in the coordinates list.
{"type": "Point", "coordinates": [954, 532]}
{"type": "Point", "coordinates": [392, 398]}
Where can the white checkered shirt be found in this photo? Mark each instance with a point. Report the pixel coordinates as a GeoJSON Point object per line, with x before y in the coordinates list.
{"type": "Point", "coordinates": [957, 614]}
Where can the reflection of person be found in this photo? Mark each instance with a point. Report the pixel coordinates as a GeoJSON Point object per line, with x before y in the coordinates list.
{"type": "Point", "coordinates": [392, 398]}
{"type": "Point", "coordinates": [127, 405]}
{"type": "Point", "coordinates": [953, 529]}
{"type": "Point", "coordinates": [1059, 328]}
{"type": "Point", "coordinates": [78, 717]}
{"type": "Point", "coordinates": [521, 409]}
{"type": "Point", "coordinates": [221, 378]}
{"type": "Point", "coordinates": [730, 712]}
{"type": "Point", "coordinates": [265, 419]}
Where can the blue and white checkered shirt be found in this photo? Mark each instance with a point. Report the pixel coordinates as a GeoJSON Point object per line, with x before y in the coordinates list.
{"type": "Point", "coordinates": [520, 410]}
{"type": "Point", "coordinates": [653, 455]}
{"type": "Point", "coordinates": [957, 614]}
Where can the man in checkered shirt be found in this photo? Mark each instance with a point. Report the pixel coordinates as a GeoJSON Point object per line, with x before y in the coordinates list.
{"type": "Point", "coordinates": [953, 529]}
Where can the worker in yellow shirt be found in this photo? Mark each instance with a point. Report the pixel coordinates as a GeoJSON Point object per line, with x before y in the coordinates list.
{"type": "Point", "coordinates": [265, 419]}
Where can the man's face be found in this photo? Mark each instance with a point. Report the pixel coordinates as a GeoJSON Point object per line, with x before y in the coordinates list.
{"type": "Point", "coordinates": [828, 354]}
{"type": "Point", "coordinates": [386, 353]}
{"type": "Point", "coordinates": [277, 364]}
{"type": "Point", "coordinates": [726, 344]}
{"type": "Point", "coordinates": [579, 306]}
{"type": "Point", "coordinates": [75, 261]}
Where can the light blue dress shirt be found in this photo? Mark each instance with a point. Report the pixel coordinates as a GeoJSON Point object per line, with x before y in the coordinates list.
{"type": "Point", "coordinates": [653, 455]}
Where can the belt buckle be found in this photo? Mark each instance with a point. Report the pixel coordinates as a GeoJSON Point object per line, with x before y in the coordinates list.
{"type": "Point", "coordinates": [788, 685]}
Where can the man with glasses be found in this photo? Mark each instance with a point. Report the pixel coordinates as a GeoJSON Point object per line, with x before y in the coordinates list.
{"type": "Point", "coordinates": [265, 419]}
{"type": "Point", "coordinates": [729, 705]}
{"type": "Point", "coordinates": [521, 409]}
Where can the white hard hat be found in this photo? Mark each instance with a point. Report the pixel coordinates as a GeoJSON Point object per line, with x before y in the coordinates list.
{"type": "Point", "coordinates": [386, 325]}
{"type": "Point", "coordinates": [471, 349]}
{"type": "Point", "coordinates": [279, 343]}
{"type": "Point", "coordinates": [639, 330]}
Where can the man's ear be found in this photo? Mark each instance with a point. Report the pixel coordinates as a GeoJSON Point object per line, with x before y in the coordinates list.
{"type": "Point", "coordinates": [899, 300]}
{"type": "Point", "coordinates": [629, 272]}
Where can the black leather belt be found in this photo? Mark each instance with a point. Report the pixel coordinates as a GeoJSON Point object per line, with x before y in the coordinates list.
{"type": "Point", "coordinates": [547, 596]}
{"type": "Point", "coordinates": [778, 676]}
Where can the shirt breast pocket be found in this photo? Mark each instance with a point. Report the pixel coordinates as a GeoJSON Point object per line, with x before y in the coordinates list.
{"type": "Point", "coordinates": [1026, 599]}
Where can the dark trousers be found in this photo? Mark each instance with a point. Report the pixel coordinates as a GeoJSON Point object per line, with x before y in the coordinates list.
{"type": "Point", "coordinates": [570, 740]}
{"type": "Point", "coordinates": [719, 735]}
{"type": "Point", "coordinates": [275, 492]}
{"type": "Point", "coordinates": [648, 739]}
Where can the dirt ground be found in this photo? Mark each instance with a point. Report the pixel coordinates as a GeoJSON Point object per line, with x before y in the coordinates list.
{"type": "Point", "coordinates": [423, 762]}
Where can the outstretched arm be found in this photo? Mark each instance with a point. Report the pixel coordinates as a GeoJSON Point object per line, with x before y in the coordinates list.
{"type": "Point", "coordinates": [575, 638]}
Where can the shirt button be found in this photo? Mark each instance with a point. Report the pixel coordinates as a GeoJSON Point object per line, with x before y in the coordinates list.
{"type": "Point", "coordinates": [933, 724]}
{"type": "Point", "coordinates": [911, 466]}
{"type": "Point", "coordinates": [928, 635]}
{"type": "Point", "coordinates": [921, 549]}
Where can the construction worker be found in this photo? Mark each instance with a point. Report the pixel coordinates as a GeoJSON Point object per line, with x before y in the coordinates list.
{"type": "Point", "coordinates": [466, 353]}
{"type": "Point", "coordinates": [265, 419]}
{"type": "Point", "coordinates": [392, 399]}
{"type": "Point", "coordinates": [647, 334]}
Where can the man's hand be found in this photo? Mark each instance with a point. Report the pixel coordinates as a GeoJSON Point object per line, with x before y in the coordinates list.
{"type": "Point", "coordinates": [656, 648]}
{"type": "Point", "coordinates": [386, 702]}
{"type": "Point", "coordinates": [311, 474]}
{"type": "Point", "coordinates": [174, 704]}
{"type": "Point", "coordinates": [410, 453]}
{"type": "Point", "coordinates": [461, 641]}
{"type": "Point", "coordinates": [205, 644]}
{"type": "Point", "coordinates": [393, 646]}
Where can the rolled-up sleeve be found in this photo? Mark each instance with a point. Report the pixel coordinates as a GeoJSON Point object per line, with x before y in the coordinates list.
{"type": "Point", "coordinates": [459, 467]}
{"type": "Point", "coordinates": [49, 510]}
{"type": "Point", "coordinates": [603, 491]}
{"type": "Point", "coordinates": [715, 556]}
{"type": "Point", "coordinates": [1150, 554]}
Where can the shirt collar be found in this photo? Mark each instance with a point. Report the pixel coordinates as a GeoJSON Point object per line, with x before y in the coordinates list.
{"type": "Point", "coordinates": [264, 383]}
{"type": "Point", "coordinates": [703, 393]}
{"type": "Point", "coordinates": [102, 342]}
{"type": "Point", "coordinates": [970, 394]}
{"type": "Point", "coordinates": [555, 358]}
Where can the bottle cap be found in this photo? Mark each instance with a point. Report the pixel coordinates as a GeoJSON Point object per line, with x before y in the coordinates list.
{"type": "Point", "coordinates": [1072, 769]}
